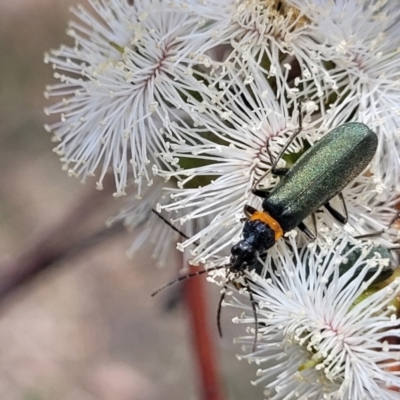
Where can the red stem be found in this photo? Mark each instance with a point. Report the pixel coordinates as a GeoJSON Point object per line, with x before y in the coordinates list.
{"type": "Point", "coordinates": [202, 339]}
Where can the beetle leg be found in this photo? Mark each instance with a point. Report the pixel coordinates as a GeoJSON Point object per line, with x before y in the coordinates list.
{"type": "Point", "coordinates": [253, 306]}
{"type": "Point", "coordinates": [336, 214]}
{"type": "Point", "coordinates": [248, 211]}
{"type": "Point", "coordinates": [219, 309]}
{"type": "Point", "coordinates": [314, 219]}
{"type": "Point", "coordinates": [260, 193]}
{"type": "Point", "coordinates": [306, 231]}
{"type": "Point", "coordinates": [377, 233]}
{"type": "Point", "coordinates": [280, 171]}
{"type": "Point", "coordinates": [341, 198]}
{"type": "Point", "coordinates": [287, 242]}
{"type": "Point", "coordinates": [369, 235]}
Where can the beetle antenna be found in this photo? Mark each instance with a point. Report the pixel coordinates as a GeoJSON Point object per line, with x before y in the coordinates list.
{"type": "Point", "coordinates": [173, 226]}
{"type": "Point", "coordinates": [169, 224]}
{"type": "Point", "coordinates": [188, 276]}
{"type": "Point", "coordinates": [253, 305]}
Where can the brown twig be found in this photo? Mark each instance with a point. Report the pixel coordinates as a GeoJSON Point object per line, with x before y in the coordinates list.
{"type": "Point", "coordinates": [61, 241]}
{"type": "Point", "coordinates": [202, 339]}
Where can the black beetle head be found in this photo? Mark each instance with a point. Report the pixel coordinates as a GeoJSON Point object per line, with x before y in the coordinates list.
{"type": "Point", "coordinates": [243, 254]}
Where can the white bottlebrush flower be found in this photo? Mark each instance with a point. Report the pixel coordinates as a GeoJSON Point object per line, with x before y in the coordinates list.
{"type": "Point", "coordinates": [355, 45]}
{"type": "Point", "coordinates": [149, 229]}
{"type": "Point", "coordinates": [231, 135]}
{"type": "Point", "coordinates": [260, 35]}
{"type": "Point", "coordinates": [128, 69]}
{"type": "Point", "coordinates": [320, 336]}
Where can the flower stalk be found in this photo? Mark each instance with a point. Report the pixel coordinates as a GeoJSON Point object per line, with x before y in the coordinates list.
{"type": "Point", "coordinates": [203, 339]}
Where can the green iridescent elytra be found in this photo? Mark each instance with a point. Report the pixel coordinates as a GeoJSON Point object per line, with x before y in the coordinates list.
{"type": "Point", "coordinates": [321, 173]}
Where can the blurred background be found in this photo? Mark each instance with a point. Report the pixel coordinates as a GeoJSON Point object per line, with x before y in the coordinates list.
{"type": "Point", "coordinates": [86, 328]}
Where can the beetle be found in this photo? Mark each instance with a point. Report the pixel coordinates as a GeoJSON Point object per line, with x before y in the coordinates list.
{"type": "Point", "coordinates": [320, 174]}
